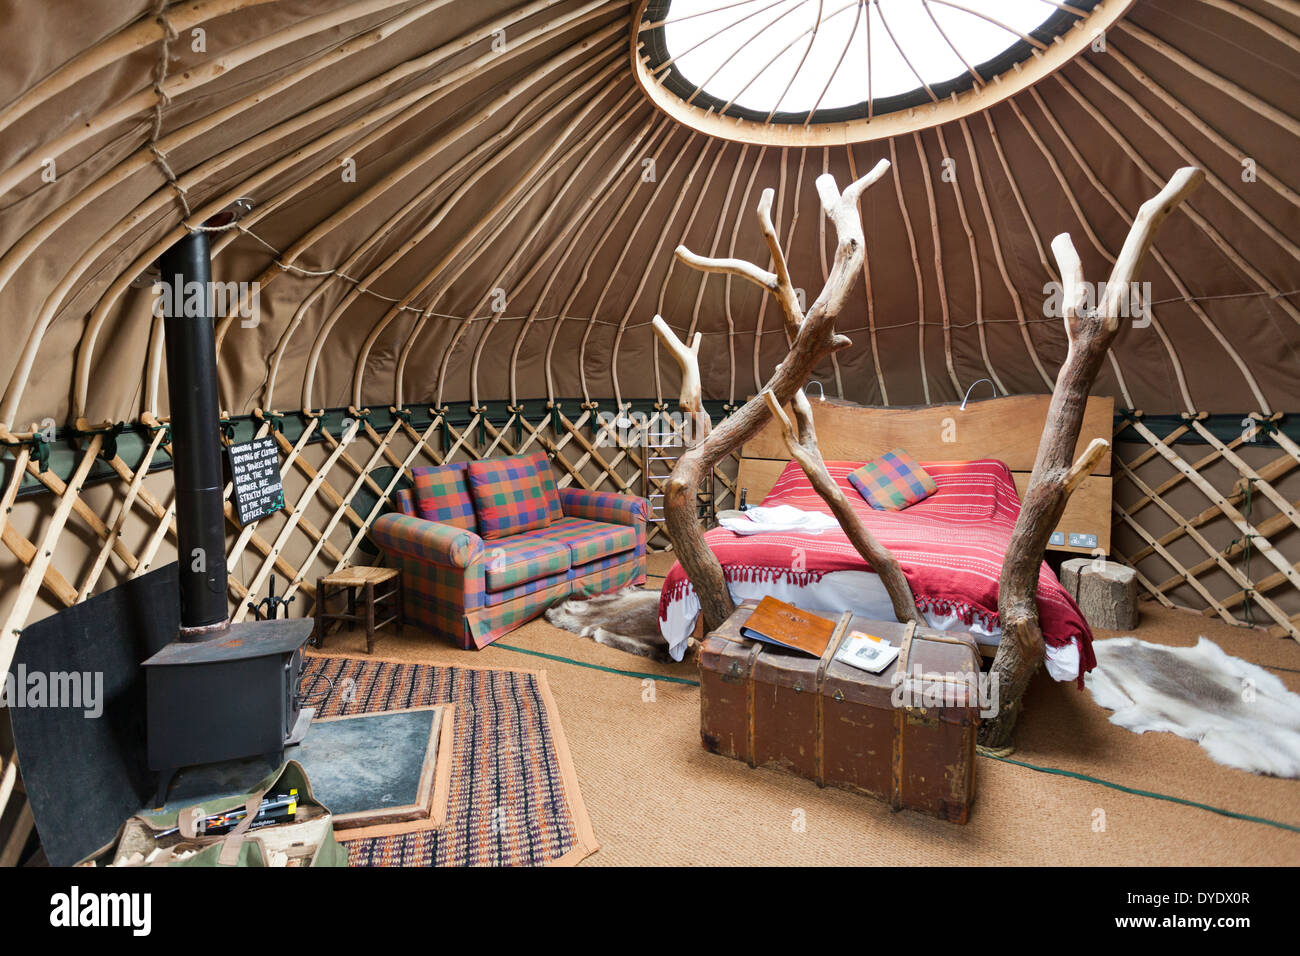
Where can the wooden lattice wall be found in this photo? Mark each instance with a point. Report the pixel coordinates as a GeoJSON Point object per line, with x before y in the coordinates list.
{"type": "Point", "coordinates": [1205, 508]}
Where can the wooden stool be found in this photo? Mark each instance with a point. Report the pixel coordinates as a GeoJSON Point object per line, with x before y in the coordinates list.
{"type": "Point", "coordinates": [349, 580]}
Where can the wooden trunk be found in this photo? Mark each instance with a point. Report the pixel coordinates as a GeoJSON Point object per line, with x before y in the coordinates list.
{"type": "Point", "coordinates": [838, 725]}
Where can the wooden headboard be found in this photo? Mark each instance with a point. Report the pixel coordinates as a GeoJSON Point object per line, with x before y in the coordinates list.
{"type": "Point", "coordinates": [1004, 428]}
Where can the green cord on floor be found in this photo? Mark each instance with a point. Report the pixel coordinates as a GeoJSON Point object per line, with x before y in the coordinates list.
{"type": "Point", "coordinates": [1147, 793]}
{"type": "Point", "coordinates": [599, 667]}
{"type": "Point", "coordinates": [1055, 771]}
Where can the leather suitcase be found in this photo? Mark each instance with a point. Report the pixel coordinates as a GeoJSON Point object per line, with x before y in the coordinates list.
{"type": "Point", "coordinates": [838, 725]}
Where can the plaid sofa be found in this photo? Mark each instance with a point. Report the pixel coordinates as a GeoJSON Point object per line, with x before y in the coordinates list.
{"type": "Point", "coordinates": [472, 591]}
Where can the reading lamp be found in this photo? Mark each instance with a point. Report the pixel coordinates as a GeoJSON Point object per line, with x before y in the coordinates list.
{"type": "Point", "coordinates": [972, 388]}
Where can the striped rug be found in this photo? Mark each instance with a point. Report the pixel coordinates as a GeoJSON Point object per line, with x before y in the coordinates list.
{"type": "Point", "coordinates": [514, 798]}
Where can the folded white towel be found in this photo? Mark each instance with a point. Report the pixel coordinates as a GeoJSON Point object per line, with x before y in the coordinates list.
{"type": "Point", "coordinates": [760, 520]}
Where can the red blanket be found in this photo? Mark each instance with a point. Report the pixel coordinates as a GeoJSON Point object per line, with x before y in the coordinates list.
{"type": "Point", "coordinates": [951, 547]}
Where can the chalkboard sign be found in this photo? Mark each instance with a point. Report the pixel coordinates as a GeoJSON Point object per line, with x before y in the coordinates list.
{"type": "Point", "coordinates": [255, 473]}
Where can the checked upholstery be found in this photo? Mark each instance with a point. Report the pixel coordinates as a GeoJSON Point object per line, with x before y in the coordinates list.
{"type": "Point", "coordinates": [471, 589]}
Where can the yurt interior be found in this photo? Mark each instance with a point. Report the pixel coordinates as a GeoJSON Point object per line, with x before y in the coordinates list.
{"type": "Point", "coordinates": [649, 433]}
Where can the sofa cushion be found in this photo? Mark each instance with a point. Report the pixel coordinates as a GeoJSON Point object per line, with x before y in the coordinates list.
{"type": "Point", "coordinates": [442, 494]}
{"type": "Point", "coordinates": [508, 496]}
{"type": "Point", "coordinates": [544, 470]}
{"type": "Point", "coordinates": [522, 558]}
{"type": "Point", "coordinates": [591, 540]}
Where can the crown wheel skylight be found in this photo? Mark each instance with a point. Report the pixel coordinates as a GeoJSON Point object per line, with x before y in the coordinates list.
{"type": "Point", "coordinates": [851, 63]}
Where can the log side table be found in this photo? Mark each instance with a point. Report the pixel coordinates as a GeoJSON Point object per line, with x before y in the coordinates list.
{"type": "Point", "coordinates": [359, 582]}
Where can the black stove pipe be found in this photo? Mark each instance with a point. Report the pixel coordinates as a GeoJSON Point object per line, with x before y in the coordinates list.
{"type": "Point", "coordinates": [196, 436]}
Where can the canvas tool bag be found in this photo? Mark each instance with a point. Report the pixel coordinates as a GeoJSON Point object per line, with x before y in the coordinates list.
{"type": "Point", "coordinates": [308, 840]}
{"type": "Point", "coordinates": [839, 726]}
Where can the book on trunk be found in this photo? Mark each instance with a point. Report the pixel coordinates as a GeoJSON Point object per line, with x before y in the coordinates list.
{"type": "Point", "coordinates": [782, 624]}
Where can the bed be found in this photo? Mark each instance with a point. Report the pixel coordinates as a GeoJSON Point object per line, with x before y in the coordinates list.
{"type": "Point", "coordinates": [950, 546]}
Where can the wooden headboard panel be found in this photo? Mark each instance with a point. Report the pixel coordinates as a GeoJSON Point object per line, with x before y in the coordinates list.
{"type": "Point", "coordinates": [1005, 428]}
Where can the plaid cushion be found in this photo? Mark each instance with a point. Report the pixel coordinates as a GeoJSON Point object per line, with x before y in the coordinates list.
{"type": "Point", "coordinates": [591, 540]}
{"type": "Point", "coordinates": [893, 481]}
{"type": "Point", "coordinates": [523, 558]}
{"type": "Point", "coordinates": [508, 496]}
{"type": "Point", "coordinates": [442, 495]}
{"type": "Point", "coordinates": [547, 474]}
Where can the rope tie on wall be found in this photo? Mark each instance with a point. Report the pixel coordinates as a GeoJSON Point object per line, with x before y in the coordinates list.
{"type": "Point", "coordinates": [161, 102]}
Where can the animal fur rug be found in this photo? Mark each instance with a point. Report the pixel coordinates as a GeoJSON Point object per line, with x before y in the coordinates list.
{"type": "Point", "coordinates": [626, 620]}
{"type": "Point", "coordinates": [1241, 714]}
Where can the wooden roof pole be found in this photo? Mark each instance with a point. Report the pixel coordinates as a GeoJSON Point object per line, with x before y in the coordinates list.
{"type": "Point", "coordinates": [632, 195]}
{"type": "Point", "coordinates": [426, 229]}
{"type": "Point", "coordinates": [866, 291]}
{"type": "Point", "coordinates": [578, 284]}
{"type": "Point", "coordinates": [361, 286]}
{"type": "Point", "coordinates": [713, 249]}
{"type": "Point", "coordinates": [1147, 170]}
{"type": "Point", "coordinates": [132, 107]}
{"type": "Point", "coordinates": [937, 242]}
{"type": "Point", "coordinates": [1010, 179]}
{"type": "Point", "coordinates": [575, 177]}
{"type": "Point", "coordinates": [976, 277]}
{"type": "Point", "coordinates": [1161, 261]}
{"type": "Point", "coordinates": [143, 33]}
{"type": "Point", "coordinates": [578, 230]}
{"type": "Point", "coordinates": [342, 272]}
{"type": "Point", "coordinates": [1156, 324]}
{"type": "Point", "coordinates": [540, 171]}
{"type": "Point", "coordinates": [916, 273]}
{"type": "Point", "coordinates": [672, 263]}
{"type": "Point", "coordinates": [653, 257]}
{"type": "Point", "coordinates": [267, 139]}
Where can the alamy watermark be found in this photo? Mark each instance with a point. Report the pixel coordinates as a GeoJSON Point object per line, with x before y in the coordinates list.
{"type": "Point", "coordinates": [78, 690]}
{"type": "Point", "coordinates": [1132, 303]}
{"type": "Point", "coordinates": [215, 299]}
{"type": "Point", "coordinates": [932, 691]}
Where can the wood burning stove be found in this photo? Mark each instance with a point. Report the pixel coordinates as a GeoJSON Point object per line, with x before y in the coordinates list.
{"type": "Point", "coordinates": [220, 691]}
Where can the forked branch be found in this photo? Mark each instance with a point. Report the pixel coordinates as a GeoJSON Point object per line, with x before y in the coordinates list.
{"type": "Point", "coordinates": [691, 398]}
{"type": "Point", "coordinates": [801, 440]}
{"type": "Point", "coordinates": [814, 338]}
{"type": "Point", "coordinates": [1056, 474]}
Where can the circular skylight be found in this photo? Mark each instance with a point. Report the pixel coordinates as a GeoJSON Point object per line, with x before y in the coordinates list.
{"type": "Point", "coordinates": [806, 62]}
